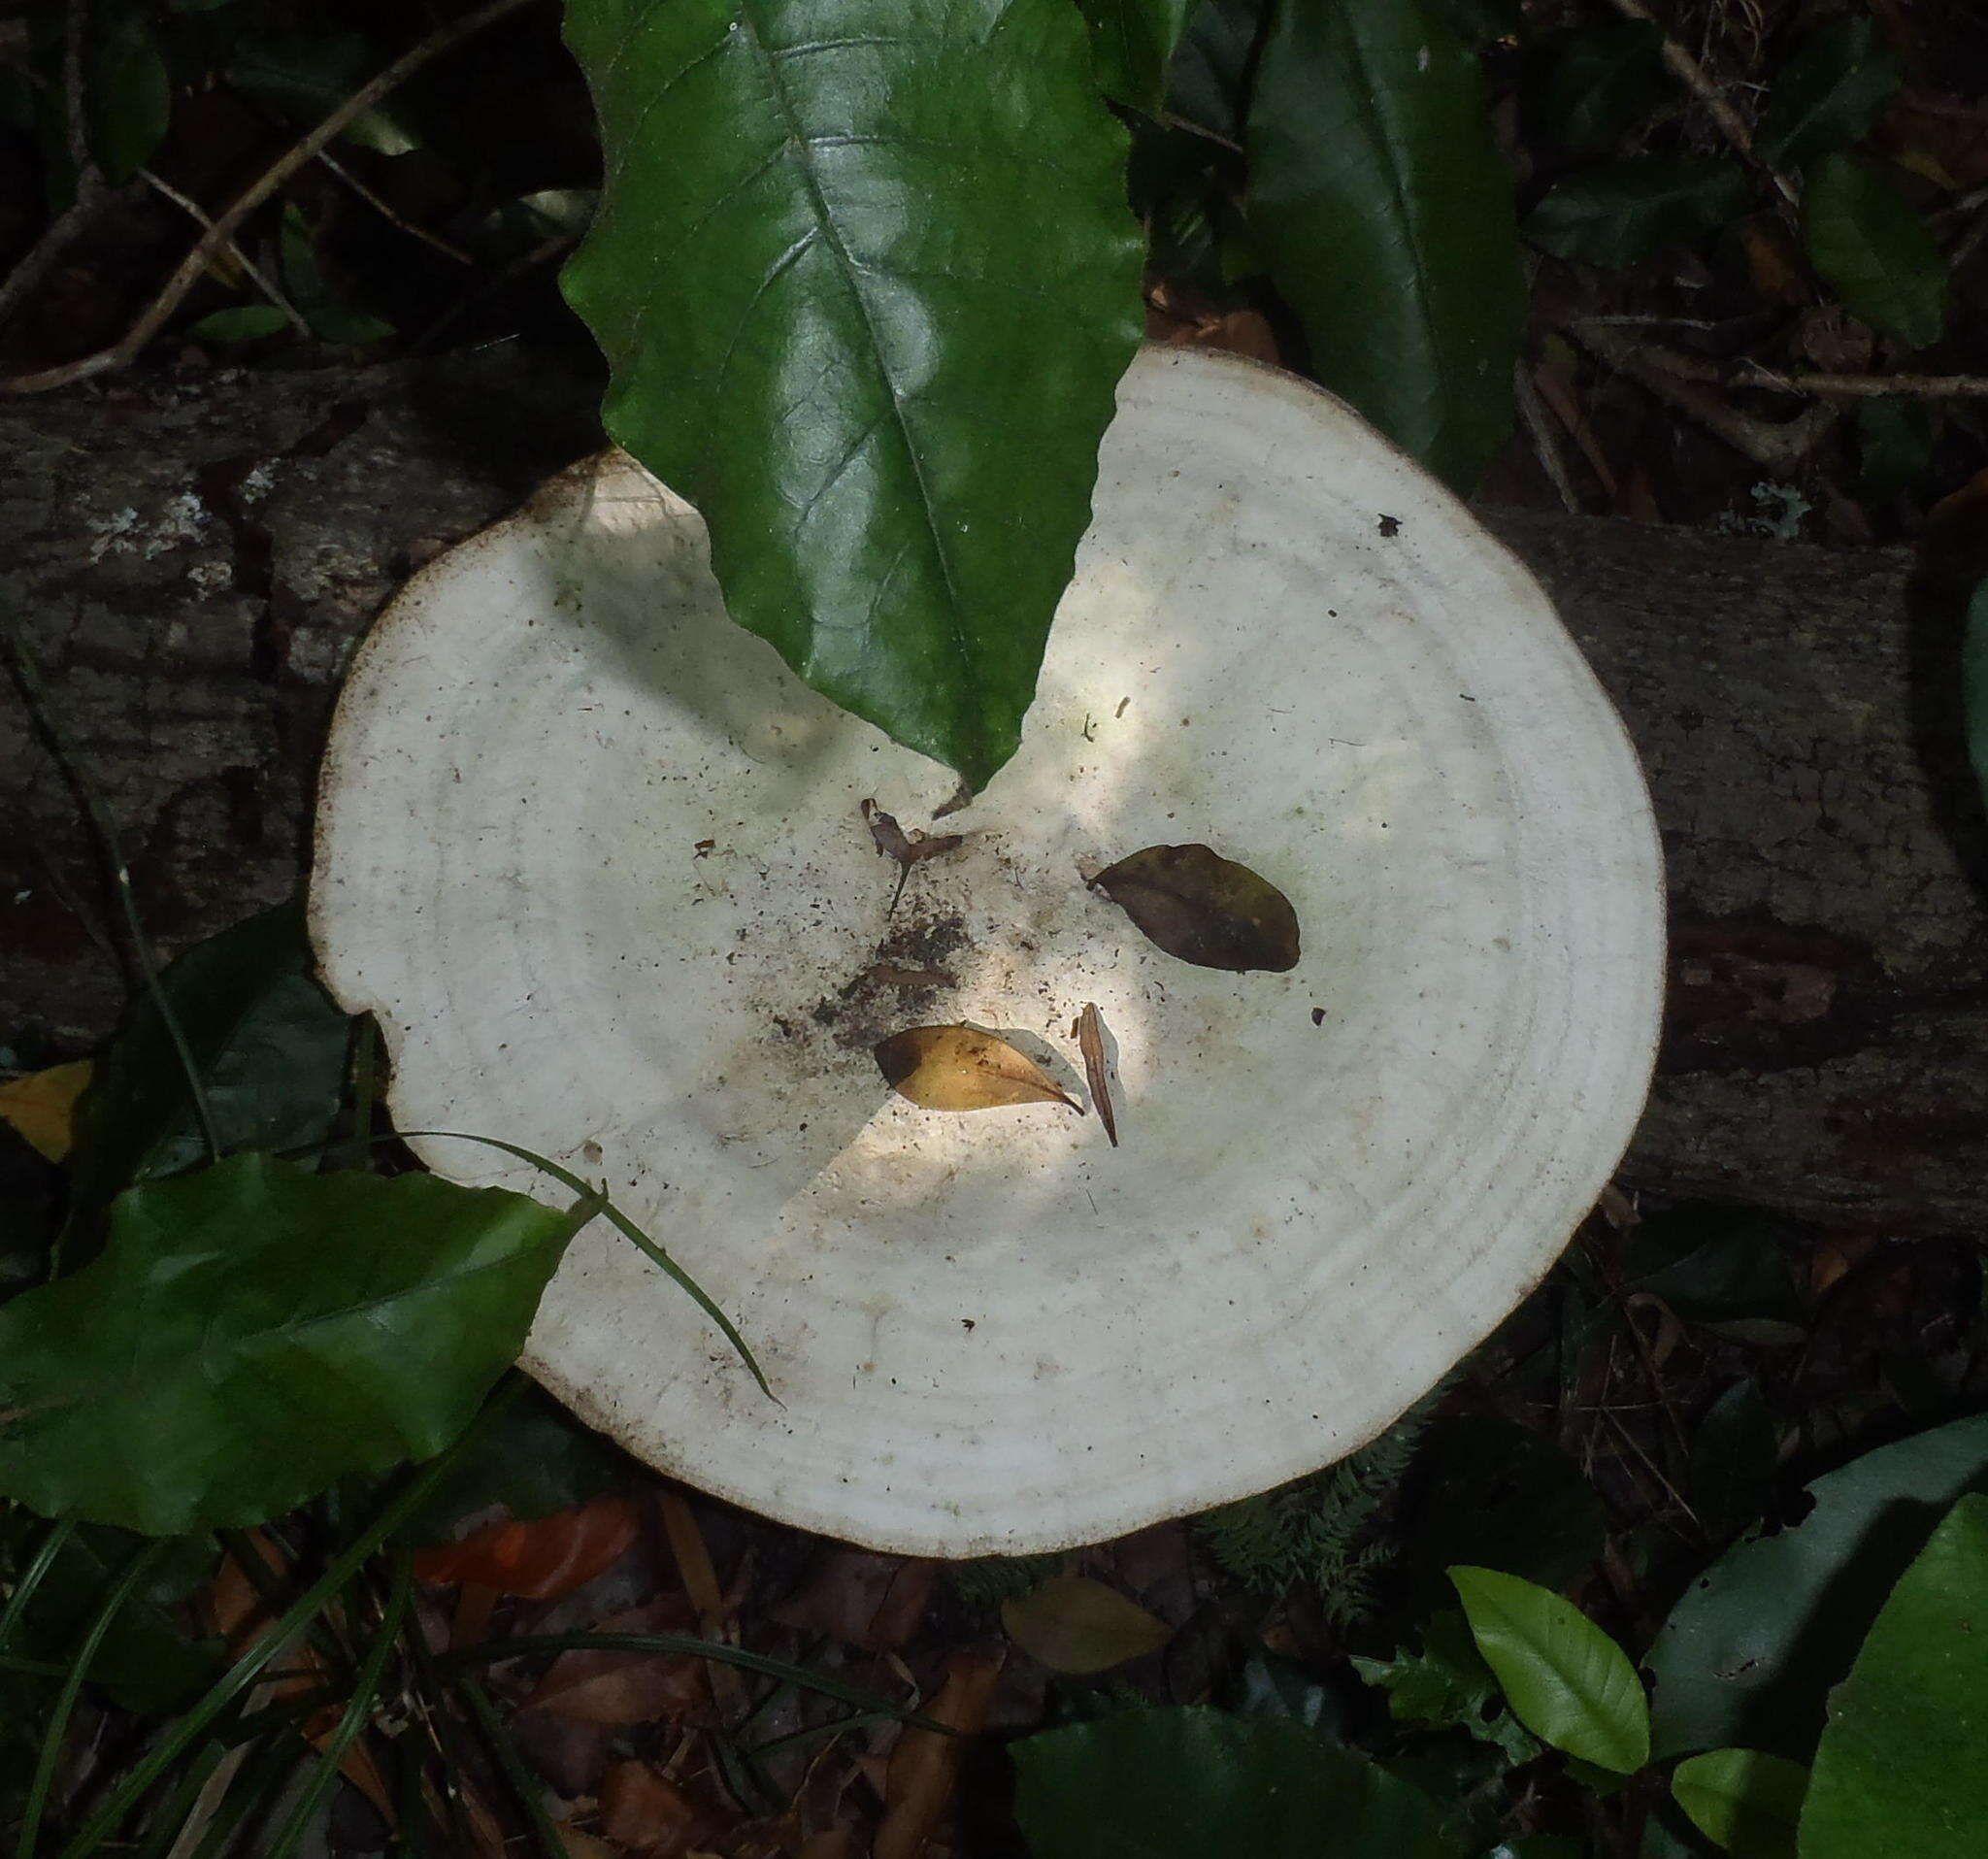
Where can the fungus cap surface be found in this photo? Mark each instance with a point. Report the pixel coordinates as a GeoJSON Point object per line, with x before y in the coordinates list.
{"type": "Point", "coordinates": [598, 861]}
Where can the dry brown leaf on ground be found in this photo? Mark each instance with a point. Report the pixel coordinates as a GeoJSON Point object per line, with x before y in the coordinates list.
{"type": "Point", "coordinates": [1076, 1626]}
{"type": "Point", "coordinates": [541, 1558]}
{"type": "Point", "coordinates": [961, 1068]}
{"type": "Point", "coordinates": [861, 1599]}
{"type": "Point", "coordinates": [626, 1687]}
{"type": "Point", "coordinates": [42, 1106]}
{"type": "Point", "coordinates": [924, 1767]}
{"type": "Point", "coordinates": [1090, 1042]}
{"type": "Point", "coordinates": [646, 1812]}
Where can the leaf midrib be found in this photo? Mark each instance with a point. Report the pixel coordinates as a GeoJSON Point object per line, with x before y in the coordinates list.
{"type": "Point", "coordinates": [848, 271]}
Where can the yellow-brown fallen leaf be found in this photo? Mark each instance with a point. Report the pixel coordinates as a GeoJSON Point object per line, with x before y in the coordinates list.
{"type": "Point", "coordinates": [42, 1106]}
{"type": "Point", "coordinates": [924, 1766]}
{"type": "Point", "coordinates": [1074, 1625]}
{"type": "Point", "coordinates": [960, 1068]}
{"type": "Point", "coordinates": [1090, 1042]}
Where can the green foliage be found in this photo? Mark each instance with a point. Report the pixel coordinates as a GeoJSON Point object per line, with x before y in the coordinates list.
{"type": "Point", "coordinates": [1321, 1530]}
{"type": "Point", "coordinates": [866, 281]}
{"type": "Point", "coordinates": [1722, 1266]}
{"type": "Point", "coordinates": [1746, 1803]}
{"type": "Point", "coordinates": [253, 1331]}
{"type": "Point", "coordinates": [1624, 210]}
{"type": "Point", "coordinates": [1594, 82]}
{"type": "Point", "coordinates": [1131, 43]}
{"type": "Point", "coordinates": [331, 317]}
{"type": "Point", "coordinates": [265, 1038]}
{"type": "Point", "coordinates": [249, 322]}
{"type": "Point", "coordinates": [1565, 1681]}
{"type": "Point", "coordinates": [1901, 1767]}
{"type": "Point", "coordinates": [1893, 445]}
{"type": "Point", "coordinates": [1449, 1685]}
{"type": "Point", "coordinates": [1733, 1458]}
{"type": "Point", "coordinates": [1872, 248]}
{"type": "Point", "coordinates": [1386, 211]}
{"type": "Point", "coordinates": [1183, 1783]}
{"type": "Point", "coordinates": [1830, 94]}
{"type": "Point", "coordinates": [985, 1581]}
{"type": "Point", "coordinates": [1749, 1651]}
{"type": "Point", "coordinates": [1215, 63]}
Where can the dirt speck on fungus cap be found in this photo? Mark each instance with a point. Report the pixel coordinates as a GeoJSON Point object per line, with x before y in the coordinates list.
{"type": "Point", "coordinates": [906, 978]}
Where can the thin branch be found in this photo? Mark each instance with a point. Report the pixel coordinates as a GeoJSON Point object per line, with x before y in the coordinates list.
{"type": "Point", "coordinates": [385, 209]}
{"type": "Point", "coordinates": [199, 215]}
{"type": "Point", "coordinates": [1694, 76]}
{"type": "Point", "coordinates": [1866, 386]}
{"type": "Point", "coordinates": [1533, 410]}
{"type": "Point", "coordinates": [121, 354]}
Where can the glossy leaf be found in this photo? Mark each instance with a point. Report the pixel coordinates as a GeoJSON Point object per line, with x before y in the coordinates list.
{"type": "Point", "coordinates": [248, 323]}
{"type": "Point", "coordinates": [1724, 1266]}
{"type": "Point", "coordinates": [1386, 211]}
{"type": "Point", "coordinates": [1872, 248]}
{"type": "Point", "coordinates": [866, 281]}
{"type": "Point", "coordinates": [1131, 43]}
{"type": "Point", "coordinates": [1830, 94]}
{"type": "Point", "coordinates": [1188, 1782]}
{"type": "Point", "coordinates": [1597, 82]}
{"type": "Point", "coordinates": [537, 1558]}
{"type": "Point", "coordinates": [1744, 1801]}
{"type": "Point", "coordinates": [1630, 210]}
{"type": "Point", "coordinates": [1074, 1625]}
{"type": "Point", "coordinates": [267, 1041]}
{"type": "Point", "coordinates": [1750, 1651]}
{"type": "Point", "coordinates": [252, 1331]}
{"type": "Point", "coordinates": [1215, 64]}
{"type": "Point", "coordinates": [305, 76]}
{"type": "Point", "coordinates": [1901, 1767]}
{"type": "Point", "coordinates": [128, 92]}
{"type": "Point", "coordinates": [1565, 1681]}
{"type": "Point", "coordinates": [1203, 909]}
{"type": "Point", "coordinates": [1481, 22]}
{"type": "Point", "coordinates": [1974, 684]}
{"type": "Point", "coordinates": [1733, 1458]}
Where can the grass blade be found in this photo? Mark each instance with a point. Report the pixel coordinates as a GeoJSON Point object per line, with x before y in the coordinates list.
{"type": "Point", "coordinates": [505, 1753]}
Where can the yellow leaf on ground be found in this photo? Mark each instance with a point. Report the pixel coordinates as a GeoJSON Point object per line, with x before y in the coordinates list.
{"type": "Point", "coordinates": [1074, 1625]}
{"type": "Point", "coordinates": [42, 1106]}
{"type": "Point", "coordinates": [960, 1068]}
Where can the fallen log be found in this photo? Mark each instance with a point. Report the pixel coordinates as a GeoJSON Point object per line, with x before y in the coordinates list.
{"type": "Point", "coordinates": [194, 554]}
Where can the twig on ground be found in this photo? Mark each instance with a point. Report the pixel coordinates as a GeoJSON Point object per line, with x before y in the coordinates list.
{"type": "Point", "coordinates": [199, 215]}
{"type": "Point", "coordinates": [1694, 76]}
{"type": "Point", "coordinates": [1533, 410]}
{"type": "Point", "coordinates": [122, 352]}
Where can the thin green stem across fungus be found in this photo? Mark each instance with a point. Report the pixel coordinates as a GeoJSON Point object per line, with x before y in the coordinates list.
{"type": "Point", "coordinates": [160, 1760]}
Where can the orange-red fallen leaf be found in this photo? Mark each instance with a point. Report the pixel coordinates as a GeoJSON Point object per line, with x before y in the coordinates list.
{"type": "Point", "coordinates": [626, 1687]}
{"type": "Point", "coordinates": [924, 1767]}
{"type": "Point", "coordinates": [641, 1811]}
{"type": "Point", "coordinates": [539, 1560]}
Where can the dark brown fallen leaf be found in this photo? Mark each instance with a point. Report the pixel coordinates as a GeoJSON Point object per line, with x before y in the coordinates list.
{"type": "Point", "coordinates": [641, 1811]}
{"type": "Point", "coordinates": [960, 1068]}
{"type": "Point", "coordinates": [592, 1686]}
{"type": "Point", "coordinates": [1090, 1042]}
{"type": "Point", "coordinates": [1076, 1626]}
{"type": "Point", "coordinates": [1203, 909]}
{"type": "Point", "coordinates": [924, 1766]}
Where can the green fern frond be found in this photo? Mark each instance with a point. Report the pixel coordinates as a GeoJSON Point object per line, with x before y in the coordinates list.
{"type": "Point", "coordinates": [985, 1583]}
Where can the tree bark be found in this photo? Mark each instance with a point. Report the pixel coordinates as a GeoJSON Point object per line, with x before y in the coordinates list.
{"type": "Point", "coordinates": [193, 557]}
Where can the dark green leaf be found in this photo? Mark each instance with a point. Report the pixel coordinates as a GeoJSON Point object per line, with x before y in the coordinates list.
{"type": "Point", "coordinates": [1215, 64]}
{"type": "Point", "coordinates": [331, 317]}
{"type": "Point", "coordinates": [1749, 1653]}
{"type": "Point", "coordinates": [1595, 83]}
{"type": "Point", "coordinates": [1830, 94]}
{"type": "Point", "coordinates": [1745, 1802]}
{"type": "Point", "coordinates": [1974, 684]}
{"type": "Point", "coordinates": [1500, 1496]}
{"type": "Point", "coordinates": [1901, 1767]}
{"type": "Point", "coordinates": [533, 1459]}
{"type": "Point", "coordinates": [1565, 1681]}
{"type": "Point", "coordinates": [249, 323]}
{"type": "Point", "coordinates": [1872, 248]}
{"type": "Point", "coordinates": [305, 76]}
{"type": "Point", "coordinates": [1447, 1685]}
{"type": "Point", "coordinates": [1203, 909]}
{"type": "Point", "coordinates": [866, 281]}
{"type": "Point", "coordinates": [1188, 1782]}
{"type": "Point", "coordinates": [1733, 1458]}
{"type": "Point", "coordinates": [1385, 211]}
{"type": "Point", "coordinates": [145, 1662]}
{"type": "Point", "coordinates": [252, 1331]}
{"type": "Point", "coordinates": [1715, 1265]}
{"type": "Point", "coordinates": [1131, 43]}
{"type": "Point", "coordinates": [130, 95]}
{"type": "Point", "coordinates": [1893, 445]}
{"type": "Point", "coordinates": [1626, 210]}
{"type": "Point", "coordinates": [1271, 1684]}
{"type": "Point", "coordinates": [265, 1040]}
{"type": "Point", "coordinates": [1478, 22]}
